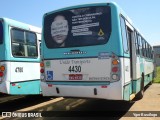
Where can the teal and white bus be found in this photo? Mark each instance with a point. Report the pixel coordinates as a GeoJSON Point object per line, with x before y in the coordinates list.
{"type": "Point", "coordinates": [19, 58]}
{"type": "Point", "coordinates": [94, 51]}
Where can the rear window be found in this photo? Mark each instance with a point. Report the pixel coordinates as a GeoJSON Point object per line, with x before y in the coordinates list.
{"type": "Point", "coordinates": [78, 27]}
{"type": "Point", "coordinates": [1, 33]}
{"type": "Point", "coordinates": [24, 43]}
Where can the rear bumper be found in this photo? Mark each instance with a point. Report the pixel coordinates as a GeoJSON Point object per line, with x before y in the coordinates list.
{"type": "Point", "coordinates": [21, 88]}
{"type": "Point", "coordinates": [113, 91]}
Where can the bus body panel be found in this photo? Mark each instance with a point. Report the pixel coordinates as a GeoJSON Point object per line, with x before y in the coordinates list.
{"type": "Point", "coordinates": [86, 69]}
{"type": "Point", "coordinates": [106, 88]}
{"type": "Point", "coordinates": [25, 87]}
{"type": "Point", "coordinates": [102, 91]}
{"type": "Point", "coordinates": [148, 67]}
{"type": "Point", "coordinates": [138, 70]}
{"type": "Point", "coordinates": [23, 80]}
{"type": "Point", "coordinates": [126, 70]}
{"type": "Point", "coordinates": [24, 71]}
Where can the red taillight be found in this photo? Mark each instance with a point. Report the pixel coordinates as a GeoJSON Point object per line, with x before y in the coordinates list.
{"type": "Point", "coordinates": [42, 70]}
{"type": "Point", "coordinates": [1, 74]}
{"type": "Point", "coordinates": [115, 69]}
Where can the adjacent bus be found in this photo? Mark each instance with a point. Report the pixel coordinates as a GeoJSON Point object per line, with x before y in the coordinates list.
{"type": "Point", "coordinates": [94, 51]}
{"type": "Point", "coordinates": [19, 58]}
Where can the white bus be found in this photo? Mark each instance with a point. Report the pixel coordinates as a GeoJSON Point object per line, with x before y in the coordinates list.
{"type": "Point", "coordinates": [94, 51]}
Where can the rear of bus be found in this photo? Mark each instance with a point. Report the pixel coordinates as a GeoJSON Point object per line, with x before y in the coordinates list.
{"type": "Point", "coordinates": [81, 50]}
{"type": "Point", "coordinates": [20, 63]}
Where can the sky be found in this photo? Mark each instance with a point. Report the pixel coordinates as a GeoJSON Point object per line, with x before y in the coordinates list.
{"type": "Point", "coordinates": [145, 14]}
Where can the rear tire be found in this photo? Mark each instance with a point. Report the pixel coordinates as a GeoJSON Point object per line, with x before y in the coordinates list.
{"type": "Point", "coordinates": [141, 92]}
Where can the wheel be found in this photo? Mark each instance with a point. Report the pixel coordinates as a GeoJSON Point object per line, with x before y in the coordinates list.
{"type": "Point", "coordinates": [141, 92]}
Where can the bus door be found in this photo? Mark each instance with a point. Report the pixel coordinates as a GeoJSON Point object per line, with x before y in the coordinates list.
{"type": "Point", "coordinates": [132, 51]}
{"type": "Point", "coordinates": [130, 40]}
{"type": "Point", "coordinates": [127, 34]}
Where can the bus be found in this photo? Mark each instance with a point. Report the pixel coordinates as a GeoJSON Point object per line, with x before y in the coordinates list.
{"type": "Point", "coordinates": [19, 58]}
{"type": "Point", "coordinates": [94, 51]}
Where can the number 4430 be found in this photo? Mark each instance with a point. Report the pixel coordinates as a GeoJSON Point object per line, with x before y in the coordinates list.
{"type": "Point", "coordinates": [74, 69]}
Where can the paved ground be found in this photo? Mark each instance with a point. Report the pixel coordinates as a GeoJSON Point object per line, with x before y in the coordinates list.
{"type": "Point", "coordinates": [150, 103]}
{"type": "Point", "coordinates": [148, 106]}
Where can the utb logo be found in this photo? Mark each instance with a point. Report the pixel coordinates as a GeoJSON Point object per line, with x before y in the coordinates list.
{"type": "Point", "coordinates": [101, 33]}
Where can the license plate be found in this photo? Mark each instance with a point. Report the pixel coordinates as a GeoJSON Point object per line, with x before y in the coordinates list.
{"type": "Point", "coordinates": [75, 77]}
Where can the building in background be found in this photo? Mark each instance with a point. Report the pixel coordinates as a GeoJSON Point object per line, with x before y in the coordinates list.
{"type": "Point", "coordinates": [157, 54]}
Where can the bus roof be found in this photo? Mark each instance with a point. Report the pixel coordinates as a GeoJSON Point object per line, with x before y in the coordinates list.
{"type": "Point", "coordinates": [22, 25]}
{"type": "Point", "coordinates": [94, 4]}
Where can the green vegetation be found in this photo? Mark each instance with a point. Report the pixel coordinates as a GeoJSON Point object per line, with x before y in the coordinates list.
{"type": "Point", "coordinates": [157, 78]}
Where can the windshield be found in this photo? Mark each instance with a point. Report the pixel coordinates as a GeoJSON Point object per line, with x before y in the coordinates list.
{"type": "Point", "coordinates": [78, 27]}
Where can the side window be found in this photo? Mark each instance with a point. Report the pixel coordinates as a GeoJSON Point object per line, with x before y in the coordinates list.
{"type": "Point", "coordinates": [136, 43]}
{"type": "Point", "coordinates": [24, 43]}
{"type": "Point", "coordinates": [129, 35]}
{"type": "Point", "coordinates": [143, 47]}
{"type": "Point", "coordinates": [146, 49]}
{"type": "Point", "coordinates": [1, 32]}
{"type": "Point", "coordinates": [152, 54]}
{"type": "Point", "coordinates": [40, 48]}
{"type": "Point", "coordinates": [140, 44]}
{"type": "Point", "coordinates": [124, 35]}
{"type": "Point", "coordinates": [150, 50]}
